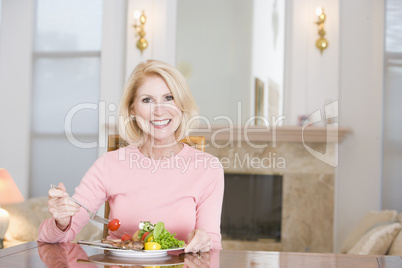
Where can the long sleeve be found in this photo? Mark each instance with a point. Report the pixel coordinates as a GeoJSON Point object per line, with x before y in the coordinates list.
{"type": "Point", "coordinates": [184, 191]}
{"type": "Point", "coordinates": [209, 206]}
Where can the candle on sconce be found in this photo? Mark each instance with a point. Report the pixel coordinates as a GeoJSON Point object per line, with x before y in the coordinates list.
{"type": "Point", "coordinates": [136, 16]}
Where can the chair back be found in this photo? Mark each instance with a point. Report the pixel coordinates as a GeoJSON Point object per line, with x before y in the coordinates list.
{"type": "Point", "coordinates": [116, 142]}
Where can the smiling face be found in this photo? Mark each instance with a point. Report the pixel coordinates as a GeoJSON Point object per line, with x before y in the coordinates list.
{"type": "Point", "coordinates": [155, 110]}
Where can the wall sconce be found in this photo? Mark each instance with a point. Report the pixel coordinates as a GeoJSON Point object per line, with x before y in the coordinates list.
{"type": "Point", "coordinates": [321, 42]}
{"type": "Point", "coordinates": [139, 22]}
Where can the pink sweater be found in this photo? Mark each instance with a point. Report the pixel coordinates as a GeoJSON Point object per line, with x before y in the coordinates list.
{"type": "Point", "coordinates": [184, 191]}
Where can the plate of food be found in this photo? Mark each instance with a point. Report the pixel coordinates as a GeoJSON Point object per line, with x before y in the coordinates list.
{"type": "Point", "coordinates": [150, 241]}
{"type": "Point", "coordinates": [126, 250]}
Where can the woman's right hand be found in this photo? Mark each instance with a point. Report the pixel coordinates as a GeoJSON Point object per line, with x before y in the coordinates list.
{"type": "Point", "coordinates": [61, 208]}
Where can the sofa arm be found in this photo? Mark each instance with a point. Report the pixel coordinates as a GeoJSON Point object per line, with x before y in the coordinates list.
{"type": "Point", "coordinates": [26, 217]}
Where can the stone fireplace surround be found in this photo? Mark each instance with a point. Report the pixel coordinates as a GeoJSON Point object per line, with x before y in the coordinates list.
{"type": "Point", "coordinates": [308, 183]}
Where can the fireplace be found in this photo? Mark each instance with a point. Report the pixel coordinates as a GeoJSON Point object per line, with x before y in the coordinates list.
{"type": "Point", "coordinates": [252, 207]}
{"type": "Point", "coordinates": [308, 184]}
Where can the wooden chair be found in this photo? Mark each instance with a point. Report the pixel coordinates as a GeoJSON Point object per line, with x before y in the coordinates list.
{"type": "Point", "coordinates": [116, 142]}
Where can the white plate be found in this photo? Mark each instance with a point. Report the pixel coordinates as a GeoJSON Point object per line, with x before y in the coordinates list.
{"type": "Point", "coordinates": [129, 252]}
{"type": "Point", "coordinates": [140, 253]}
{"type": "Point", "coordinates": [109, 259]}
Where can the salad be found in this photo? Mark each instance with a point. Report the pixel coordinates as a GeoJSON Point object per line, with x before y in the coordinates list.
{"type": "Point", "coordinates": [155, 236]}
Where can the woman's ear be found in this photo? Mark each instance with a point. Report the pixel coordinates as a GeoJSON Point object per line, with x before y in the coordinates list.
{"type": "Point", "coordinates": [132, 110]}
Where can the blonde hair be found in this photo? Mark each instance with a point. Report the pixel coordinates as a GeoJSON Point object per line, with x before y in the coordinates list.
{"type": "Point", "coordinates": [128, 128]}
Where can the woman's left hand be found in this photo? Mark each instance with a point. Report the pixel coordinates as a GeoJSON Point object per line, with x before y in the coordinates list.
{"type": "Point", "coordinates": [198, 241]}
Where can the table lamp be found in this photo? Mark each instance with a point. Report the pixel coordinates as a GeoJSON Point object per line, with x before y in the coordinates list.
{"type": "Point", "coordinates": [9, 193]}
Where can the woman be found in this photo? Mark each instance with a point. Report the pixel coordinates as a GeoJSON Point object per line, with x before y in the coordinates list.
{"type": "Point", "coordinates": [155, 178]}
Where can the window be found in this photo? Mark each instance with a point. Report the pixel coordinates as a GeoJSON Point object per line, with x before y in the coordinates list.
{"type": "Point", "coordinates": [66, 73]}
{"type": "Point", "coordinates": [0, 13]}
{"type": "Point", "coordinates": [392, 154]}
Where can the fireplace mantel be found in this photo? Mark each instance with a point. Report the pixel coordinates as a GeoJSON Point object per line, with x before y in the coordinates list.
{"type": "Point", "coordinates": [222, 133]}
{"type": "Point", "coordinates": [311, 134]}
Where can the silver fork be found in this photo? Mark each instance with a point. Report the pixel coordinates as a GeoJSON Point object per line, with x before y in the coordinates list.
{"type": "Point", "coordinates": [92, 215]}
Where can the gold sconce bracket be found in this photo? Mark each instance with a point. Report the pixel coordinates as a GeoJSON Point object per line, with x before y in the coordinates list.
{"type": "Point", "coordinates": [139, 22]}
{"type": "Point", "coordinates": [321, 42]}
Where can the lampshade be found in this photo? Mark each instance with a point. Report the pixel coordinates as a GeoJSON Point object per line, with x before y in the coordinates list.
{"type": "Point", "coordinates": [9, 192]}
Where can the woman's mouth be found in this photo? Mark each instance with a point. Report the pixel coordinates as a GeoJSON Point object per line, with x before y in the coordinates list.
{"type": "Point", "coordinates": [160, 123]}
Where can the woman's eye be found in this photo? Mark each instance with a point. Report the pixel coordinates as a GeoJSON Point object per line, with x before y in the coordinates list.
{"type": "Point", "coordinates": [146, 100]}
{"type": "Point", "coordinates": [169, 98]}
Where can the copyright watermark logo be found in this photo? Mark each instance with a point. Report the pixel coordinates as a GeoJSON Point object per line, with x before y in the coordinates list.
{"type": "Point", "coordinates": [230, 129]}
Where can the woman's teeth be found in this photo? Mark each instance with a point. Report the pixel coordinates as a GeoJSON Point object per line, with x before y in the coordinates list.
{"type": "Point", "coordinates": [160, 123]}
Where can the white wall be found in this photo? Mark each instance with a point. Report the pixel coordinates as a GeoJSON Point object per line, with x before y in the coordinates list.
{"type": "Point", "coordinates": [160, 29]}
{"type": "Point", "coordinates": [311, 78]}
{"type": "Point", "coordinates": [17, 20]}
{"type": "Point", "coordinates": [358, 187]}
{"type": "Point", "coordinates": [113, 64]}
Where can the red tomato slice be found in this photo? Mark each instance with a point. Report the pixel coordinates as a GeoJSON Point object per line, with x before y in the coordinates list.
{"type": "Point", "coordinates": [125, 237]}
{"type": "Point", "coordinates": [113, 225]}
{"type": "Point", "coordinates": [144, 236]}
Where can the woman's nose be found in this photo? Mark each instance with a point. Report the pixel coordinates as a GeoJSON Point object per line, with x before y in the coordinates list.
{"type": "Point", "coordinates": [158, 108]}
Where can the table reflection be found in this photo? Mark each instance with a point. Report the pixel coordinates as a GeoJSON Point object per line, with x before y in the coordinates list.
{"type": "Point", "coordinates": [202, 260]}
{"type": "Point", "coordinates": [75, 255]}
{"type": "Point", "coordinates": [63, 255]}
{"type": "Point", "coordinates": [38, 255]}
